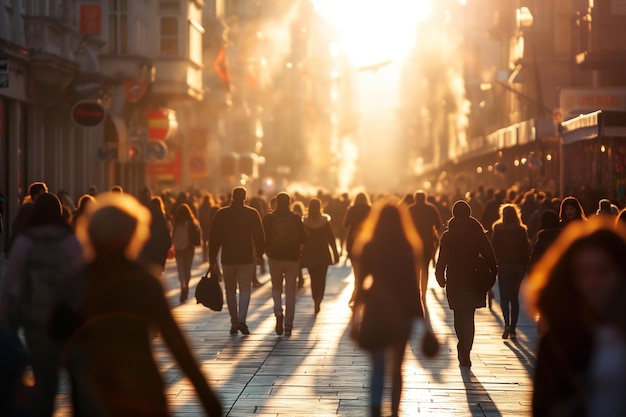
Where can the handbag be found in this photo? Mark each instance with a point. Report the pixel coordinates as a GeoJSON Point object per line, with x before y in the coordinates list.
{"type": "Point", "coordinates": [209, 291]}
{"type": "Point", "coordinates": [484, 277]}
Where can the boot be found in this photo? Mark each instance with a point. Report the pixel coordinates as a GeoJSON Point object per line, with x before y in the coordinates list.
{"type": "Point", "coordinates": [507, 332]}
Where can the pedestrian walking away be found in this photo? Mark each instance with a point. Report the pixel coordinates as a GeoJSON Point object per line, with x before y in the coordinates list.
{"type": "Point", "coordinates": [284, 235]}
{"type": "Point", "coordinates": [319, 251]}
{"type": "Point", "coordinates": [237, 231]}
{"type": "Point", "coordinates": [186, 235]}
{"type": "Point", "coordinates": [461, 246]}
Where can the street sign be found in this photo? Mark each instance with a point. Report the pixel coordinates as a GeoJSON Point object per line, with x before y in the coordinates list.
{"type": "Point", "coordinates": [88, 113]}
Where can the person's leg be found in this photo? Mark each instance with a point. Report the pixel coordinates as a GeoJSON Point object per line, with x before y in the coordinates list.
{"type": "Point", "coordinates": [515, 287]}
{"type": "Point", "coordinates": [318, 283]}
{"type": "Point", "coordinates": [504, 288]}
{"type": "Point", "coordinates": [189, 253]}
{"type": "Point", "coordinates": [357, 280]}
{"type": "Point", "coordinates": [291, 277]}
{"type": "Point", "coordinates": [377, 381]}
{"type": "Point", "coordinates": [276, 275]}
{"type": "Point", "coordinates": [464, 327]}
{"type": "Point", "coordinates": [230, 286]}
{"type": "Point", "coordinates": [396, 376]}
{"type": "Point", "coordinates": [179, 256]}
{"type": "Point", "coordinates": [45, 361]}
{"type": "Point", "coordinates": [244, 279]}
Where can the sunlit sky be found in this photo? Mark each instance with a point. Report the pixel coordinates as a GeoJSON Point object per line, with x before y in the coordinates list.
{"type": "Point", "coordinates": [373, 31]}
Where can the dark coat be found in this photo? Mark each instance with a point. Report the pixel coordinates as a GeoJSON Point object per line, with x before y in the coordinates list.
{"type": "Point", "coordinates": [282, 252]}
{"type": "Point", "coordinates": [319, 245]}
{"type": "Point", "coordinates": [510, 244]}
{"type": "Point", "coordinates": [392, 302]}
{"type": "Point", "coordinates": [355, 216]}
{"type": "Point", "coordinates": [545, 238]}
{"type": "Point", "coordinates": [159, 242]}
{"type": "Point", "coordinates": [459, 250]}
{"type": "Point", "coordinates": [235, 229]}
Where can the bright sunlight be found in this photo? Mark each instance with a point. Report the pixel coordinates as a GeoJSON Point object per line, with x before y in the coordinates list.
{"type": "Point", "coordinates": [373, 31]}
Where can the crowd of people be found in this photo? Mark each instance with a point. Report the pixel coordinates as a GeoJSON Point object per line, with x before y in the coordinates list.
{"type": "Point", "coordinates": [85, 295]}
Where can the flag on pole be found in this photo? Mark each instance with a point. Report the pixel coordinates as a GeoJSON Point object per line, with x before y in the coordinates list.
{"type": "Point", "coordinates": [221, 68]}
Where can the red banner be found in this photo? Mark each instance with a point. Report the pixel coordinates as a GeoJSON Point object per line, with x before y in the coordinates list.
{"type": "Point", "coordinates": [91, 19]}
{"type": "Point", "coordinates": [220, 67]}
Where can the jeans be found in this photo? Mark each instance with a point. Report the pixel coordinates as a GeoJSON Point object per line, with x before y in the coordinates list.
{"type": "Point", "coordinates": [510, 278]}
{"type": "Point", "coordinates": [184, 259]}
{"type": "Point", "coordinates": [238, 276]}
{"type": "Point", "coordinates": [288, 271]}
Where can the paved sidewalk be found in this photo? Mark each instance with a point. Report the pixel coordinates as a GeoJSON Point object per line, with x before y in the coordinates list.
{"type": "Point", "coordinates": [319, 372]}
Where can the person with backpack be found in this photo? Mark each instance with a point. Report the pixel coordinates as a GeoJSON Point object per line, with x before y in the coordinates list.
{"type": "Point", "coordinates": [284, 236]}
{"type": "Point", "coordinates": [45, 258]}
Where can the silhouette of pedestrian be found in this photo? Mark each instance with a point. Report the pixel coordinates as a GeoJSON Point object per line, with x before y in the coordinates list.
{"type": "Point", "coordinates": [110, 350]}
{"type": "Point", "coordinates": [355, 216]}
{"type": "Point", "coordinates": [184, 248]}
{"type": "Point", "coordinates": [461, 246]}
{"type": "Point", "coordinates": [159, 242]}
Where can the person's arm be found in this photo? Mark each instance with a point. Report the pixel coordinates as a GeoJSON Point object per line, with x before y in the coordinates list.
{"type": "Point", "coordinates": [442, 262]}
{"type": "Point", "coordinates": [486, 250]}
{"type": "Point", "coordinates": [258, 235]}
{"type": "Point", "coordinates": [332, 241]}
{"type": "Point", "coordinates": [178, 346]}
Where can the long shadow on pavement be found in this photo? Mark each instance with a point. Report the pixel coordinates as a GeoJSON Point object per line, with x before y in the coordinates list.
{"type": "Point", "coordinates": [478, 399]}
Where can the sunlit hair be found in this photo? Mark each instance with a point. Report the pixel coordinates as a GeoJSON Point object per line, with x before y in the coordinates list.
{"type": "Point", "coordinates": [389, 224]}
{"type": "Point", "coordinates": [361, 198]}
{"type": "Point", "coordinates": [298, 208]}
{"type": "Point", "coordinates": [551, 278]}
{"type": "Point", "coordinates": [156, 204]}
{"type": "Point", "coordinates": [315, 209]}
{"type": "Point", "coordinates": [510, 214]}
{"type": "Point", "coordinates": [183, 214]}
{"type": "Point", "coordinates": [84, 200]}
{"type": "Point", "coordinates": [114, 223]}
{"type": "Point", "coordinates": [573, 202]}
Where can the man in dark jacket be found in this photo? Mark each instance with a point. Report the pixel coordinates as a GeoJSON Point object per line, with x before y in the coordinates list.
{"type": "Point", "coordinates": [461, 246]}
{"type": "Point", "coordinates": [427, 221]}
{"type": "Point", "coordinates": [238, 231]}
{"type": "Point", "coordinates": [285, 235]}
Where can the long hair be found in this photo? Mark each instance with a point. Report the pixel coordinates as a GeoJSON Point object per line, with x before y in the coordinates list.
{"type": "Point", "coordinates": [387, 226]}
{"type": "Point", "coordinates": [550, 289]}
{"type": "Point", "coordinates": [183, 214]}
{"type": "Point", "coordinates": [361, 198]}
{"type": "Point", "coordinates": [510, 215]}
{"type": "Point", "coordinates": [314, 210]}
{"type": "Point", "coordinates": [573, 202]}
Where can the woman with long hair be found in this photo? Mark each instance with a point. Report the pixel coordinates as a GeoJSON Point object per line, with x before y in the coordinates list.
{"type": "Point", "coordinates": [510, 243]}
{"type": "Point", "coordinates": [570, 210]}
{"type": "Point", "coordinates": [388, 252]}
{"type": "Point", "coordinates": [579, 287]}
{"type": "Point", "coordinates": [319, 251]}
{"type": "Point", "coordinates": [184, 227]}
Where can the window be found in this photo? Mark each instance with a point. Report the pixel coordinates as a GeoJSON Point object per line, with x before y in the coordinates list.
{"type": "Point", "coordinates": [118, 27]}
{"type": "Point", "coordinates": [169, 35]}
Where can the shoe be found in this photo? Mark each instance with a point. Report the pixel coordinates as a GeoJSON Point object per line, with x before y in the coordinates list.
{"type": "Point", "coordinates": [243, 328]}
{"type": "Point", "coordinates": [513, 336]}
{"type": "Point", "coordinates": [506, 333]}
{"type": "Point", "coordinates": [287, 332]}
{"type": "Point", "coordinates": [233, 329]}
{"type": "Point", "coordinates": [279, 325]}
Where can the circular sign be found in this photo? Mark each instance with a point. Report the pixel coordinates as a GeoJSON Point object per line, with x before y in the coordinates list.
{"type": "Point", "coordinates": [88, 113]}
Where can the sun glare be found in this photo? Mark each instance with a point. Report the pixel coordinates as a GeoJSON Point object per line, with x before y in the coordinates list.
{"type": "Point", "coordinates": [374, 31]}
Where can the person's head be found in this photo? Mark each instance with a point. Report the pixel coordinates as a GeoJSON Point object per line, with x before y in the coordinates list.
{"type": "Point", "coordinates": [92, 190]}
{"type": "Point", "coordinates": [156, 205]}
{"type": "Point", "coordinates": [420, 197]}
{"type": "Point", "coordinates": [509, 214]}
{"type": "Point", "coordinates": [604, 207]}
{"type": "Point", "coordinates": [47, 210]}
{"type": "Point", "coordinates": [283, 200]}
{"type": "Point", "coordinates": [131, 220]}
{"type": "Point", "coordinates": [83, 201]}
{"type": "Point", "coordinates": [582, 275]}
{"type": "Point", "coordinates": [117, 189]}
{"type": "Point", "coordinates": [144, 196]}
{"type": "Point", "coordinates": [183, 214]}
{"type": "Point", "coordinates": [549, 220]}
{"type": "Point", "coordinates": [570, 210]}
{"type": "Point", "coordinates": [461, 209]}
{"type": "Point", "coordinates": [315, 208]}
{"type": "Point", "coordinates": [361, 198]}
{"type": "Point", "coordinates": [36, 189]}
{"type": "Point", "coordinates": [298, 208]}
{"type": "Point", "coordinates": [238, 195]}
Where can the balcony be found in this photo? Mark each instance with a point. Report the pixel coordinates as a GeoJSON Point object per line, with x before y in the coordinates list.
{"type": "Point", "coordinates": [177, 78]}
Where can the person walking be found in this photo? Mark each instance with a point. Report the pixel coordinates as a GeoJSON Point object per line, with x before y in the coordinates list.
{"type": "Point", "coordinates": [238, 232]}
{"type": "Point", "coordinates": [427, 221]}
{"type": "Point", "coordinates": [459, 251]}
{"type": "Point", "coordinates": [46, 257]}
{"type": "Point", "coordinates": [122, 305]}
{"type": "Point", "coordinates": [570, 210]}
{"type": "Point", "coordinates": [158, 244]}
{"type": "Point", "coordinates": [579, 289]}
{"type": "Point", "coordinates": [388, 252]}
{"type": "Point", "coordinates": [21, 222]}
{"type": "Point", "coordinates": [206, 214]}
{"type": "Point", "coordinates": [355, 217]}
{"type": "Point", "coordinates": [510, 242]}
{"type": "Point", "coordinates": [284, 236]}
{"type": "Point", "coordinates": [186, 236]}
{"type": "Point", "coordinates": [319, 251]}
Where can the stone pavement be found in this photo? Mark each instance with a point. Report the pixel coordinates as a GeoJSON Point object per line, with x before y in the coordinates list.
{"type": "Point", "coordinates": [318, 371]}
